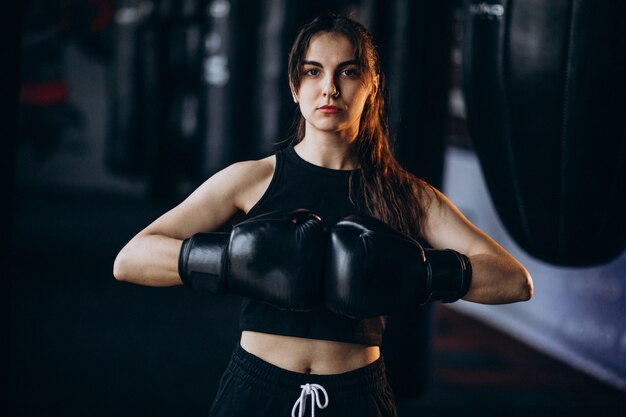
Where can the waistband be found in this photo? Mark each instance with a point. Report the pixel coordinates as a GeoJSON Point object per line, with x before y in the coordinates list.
{"type": "Point", "coordinates": [274, 380]}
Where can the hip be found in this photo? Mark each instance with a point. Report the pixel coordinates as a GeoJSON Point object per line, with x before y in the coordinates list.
{"type": "Point", "coordinates": [251, 386]}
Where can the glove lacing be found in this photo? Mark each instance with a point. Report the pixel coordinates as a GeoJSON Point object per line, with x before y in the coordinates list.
{"type": "Point", "coordinates": [313, 390]}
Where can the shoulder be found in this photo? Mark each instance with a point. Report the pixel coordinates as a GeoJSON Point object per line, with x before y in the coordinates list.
{"type": "Point", "coordinates": [439, 210]}
{"type": "Point", "coordinates": [241, 176]}
{"type": "Point", "coordinates": [244, 174]}
{"type": "Point", "coordinates": [445, 226]}
{"type": "Point", "coordinates": [234, 180]}
{"type": "Point", "coordinates": [215, 201]}
{"type": "Point", "coordinates": [248, 172]}
{"type": "Point", "coordinates": [249, 180]}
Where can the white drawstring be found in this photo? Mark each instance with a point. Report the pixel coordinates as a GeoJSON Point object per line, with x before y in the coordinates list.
{"type": "Point", "coordinates": [312, 390]}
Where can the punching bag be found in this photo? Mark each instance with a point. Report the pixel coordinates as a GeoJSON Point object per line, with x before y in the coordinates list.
{"type": "Point", "coordinates": [228, 53]}
{"type": "Point", "coordinates": [273, 107]}
{"type": "Point", "coordinates": [414, 39]}
{"type": "Point", "coordinates": [126, 143]}
{"type": "Point", "coordinates": [182, 114]}
{"type": "Point", "coordinates": [544, 86]}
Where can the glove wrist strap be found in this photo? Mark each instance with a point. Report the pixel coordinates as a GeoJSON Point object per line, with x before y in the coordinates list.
{"type": "Point", "coordinates": [201, 261]}
{"type": "Point", "coordinates": [449, 273]}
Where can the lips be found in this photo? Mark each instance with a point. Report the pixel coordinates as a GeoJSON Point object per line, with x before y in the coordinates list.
{"type": "Point", "coordinates": [329, 109]}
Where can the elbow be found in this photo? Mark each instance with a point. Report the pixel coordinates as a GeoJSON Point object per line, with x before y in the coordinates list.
{"type": "Point", "coordinates": [120, 267]}
{"type": "Point", "coordinates": [525, 288]}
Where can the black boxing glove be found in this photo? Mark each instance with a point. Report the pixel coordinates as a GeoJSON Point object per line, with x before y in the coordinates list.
{"type": "Point", "coordinates": [275, 258]}
{"type": "Point", "coordinates": [372, 270]}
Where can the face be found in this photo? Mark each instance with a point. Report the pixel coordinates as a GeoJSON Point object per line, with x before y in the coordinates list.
{"type": "Point", "coordinates": [333, 89]}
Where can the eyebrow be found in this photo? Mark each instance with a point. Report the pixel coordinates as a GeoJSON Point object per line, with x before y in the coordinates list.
{"type": "Point", "coordinates": [341, 64]}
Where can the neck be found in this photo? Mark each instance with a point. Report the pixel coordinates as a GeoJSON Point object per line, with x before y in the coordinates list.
{"type": "Point", "coordinates": [328, 150]}
{"type": "Point", "coordinates": [334, 150]}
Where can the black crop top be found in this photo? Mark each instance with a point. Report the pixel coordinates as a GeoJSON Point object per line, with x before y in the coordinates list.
{"type": "Point", "coordinates": [299, 184]}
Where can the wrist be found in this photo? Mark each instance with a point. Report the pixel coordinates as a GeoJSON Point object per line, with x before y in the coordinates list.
{"type": "Point", "coordinates": [449, 274]}
{"type": "Point", "coordinates": [201, 261]}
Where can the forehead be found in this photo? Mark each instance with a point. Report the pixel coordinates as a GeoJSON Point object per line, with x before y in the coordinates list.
{"type": "Point", "coordinates": [331, 47]}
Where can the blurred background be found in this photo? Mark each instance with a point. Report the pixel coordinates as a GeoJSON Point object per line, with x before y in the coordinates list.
{"type": "Point", "coordinates": [118, 109]}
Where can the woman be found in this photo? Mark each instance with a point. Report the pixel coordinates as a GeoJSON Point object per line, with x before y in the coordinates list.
{"type": "Point", "coordinates": [339, 164]}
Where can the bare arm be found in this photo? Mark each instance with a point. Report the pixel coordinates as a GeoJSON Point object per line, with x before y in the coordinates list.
{"type": "Point", "coordinates": [151, 257]}
{"type": "Point", "coordinates": [497, 277]}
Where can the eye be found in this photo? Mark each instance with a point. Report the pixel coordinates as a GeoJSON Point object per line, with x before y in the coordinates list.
{"type": "Point", "coordinates": [349, 72]}
{"type": "Point", "coordinates": [311, 72]}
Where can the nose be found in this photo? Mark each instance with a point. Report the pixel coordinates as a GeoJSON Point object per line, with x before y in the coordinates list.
{"type": "Point", "coordinates": [330, 88]}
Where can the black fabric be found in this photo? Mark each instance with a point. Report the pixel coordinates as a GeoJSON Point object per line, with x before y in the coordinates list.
{"type": "Point", "coordinates": [544, 87]}
{"type": "Point", "coordinates": [299, 184]}
{"type": "Point", "coordinates": [252, 387]}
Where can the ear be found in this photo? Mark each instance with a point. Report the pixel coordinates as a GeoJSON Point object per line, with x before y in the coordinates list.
{"type": "Point", "coordinates": [374, 88]}
{"type": "Point", "coordinates": [375, 84]}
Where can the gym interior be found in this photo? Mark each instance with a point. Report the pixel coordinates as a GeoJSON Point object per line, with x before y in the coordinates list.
{"type": "Point", "coordinates": [117, 109]}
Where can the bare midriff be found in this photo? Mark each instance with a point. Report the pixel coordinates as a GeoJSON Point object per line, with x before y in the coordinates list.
{"type": "Point", "coordinates": [308, 356]}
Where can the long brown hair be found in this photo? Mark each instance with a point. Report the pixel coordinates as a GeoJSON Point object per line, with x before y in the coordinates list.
{"type": "Point", "coordinates": [390, 193]}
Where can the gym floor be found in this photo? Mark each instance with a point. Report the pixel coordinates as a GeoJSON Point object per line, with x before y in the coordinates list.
{"type": "Point", "coordinates": [82, 343]}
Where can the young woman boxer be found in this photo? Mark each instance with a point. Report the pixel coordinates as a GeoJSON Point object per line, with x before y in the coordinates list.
{"type": "Point", "coordinates": [328, 247]}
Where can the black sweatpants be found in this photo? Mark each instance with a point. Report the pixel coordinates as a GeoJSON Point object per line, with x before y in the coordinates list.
{"type": "Point", "coordinates": [252, 387]}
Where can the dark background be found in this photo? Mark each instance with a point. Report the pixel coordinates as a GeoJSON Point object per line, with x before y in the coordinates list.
{"type": "Point", "coordinates": [126, 106]}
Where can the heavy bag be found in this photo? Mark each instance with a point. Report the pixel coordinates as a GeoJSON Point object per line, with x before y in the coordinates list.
{"type": "Point", "coordinates": [228, 54]}
{"type": "Point", "coordinates": [414, 41]}
{"type": "Point", "coordinates": [544, 86]}
{"type": "Point", "coordinates": [273, 109]}
{"type": "Point", "coordinates": [129, 76]}
{"type": "Point", "coordinates": [181, 112]}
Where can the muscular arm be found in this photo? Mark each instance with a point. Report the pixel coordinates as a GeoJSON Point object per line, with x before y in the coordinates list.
{"type": "Point", "coordinates": [151, 257]}
{"type": "Point", "coordinates": [497, 276]}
